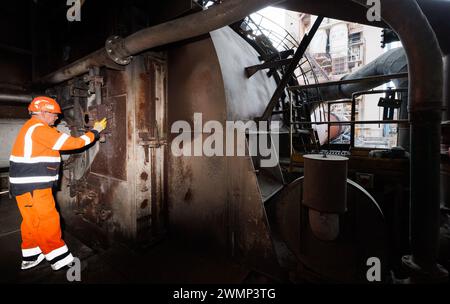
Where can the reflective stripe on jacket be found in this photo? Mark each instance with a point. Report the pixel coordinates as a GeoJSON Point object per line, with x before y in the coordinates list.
{"type": "Point", "coordinates": [35, 158]}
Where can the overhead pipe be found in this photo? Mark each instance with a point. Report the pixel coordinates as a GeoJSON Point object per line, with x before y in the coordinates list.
{"type": "Point", "coordinates": [425, 106]}
{"type": "Point", "coordinates": [15, 97]}
{"type": "Point", "coordinates": [118, 51]}
{"type": "Point", "coordinates": [391, 62]}
{"type": "Point", "coordinates": [365, 80]}
{"type": "Point", "coordinates": [391, 65]}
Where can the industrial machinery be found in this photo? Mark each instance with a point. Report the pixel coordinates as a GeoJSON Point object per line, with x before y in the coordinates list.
{"type": "Point", "coordinates": [325, 211]}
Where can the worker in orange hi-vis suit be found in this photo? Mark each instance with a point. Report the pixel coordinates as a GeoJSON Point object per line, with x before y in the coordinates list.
{"type": "Point", "coordinates": [34, 168]}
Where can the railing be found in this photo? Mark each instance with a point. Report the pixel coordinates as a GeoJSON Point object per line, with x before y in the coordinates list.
{"type": "Point", "coordinates": [271, 39]}
{"type": "Point", "coordinates": [354, 122]}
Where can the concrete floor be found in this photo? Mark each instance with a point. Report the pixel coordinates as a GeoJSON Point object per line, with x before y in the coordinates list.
{"type": "Point", "coordinates": [167, 262]}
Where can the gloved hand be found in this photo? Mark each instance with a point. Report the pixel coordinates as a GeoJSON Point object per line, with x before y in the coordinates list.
{"type": "Point", "coordinates": [99, 126]}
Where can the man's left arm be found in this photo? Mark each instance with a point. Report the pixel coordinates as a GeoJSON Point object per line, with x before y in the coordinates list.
{"type": "Point", "coordinates": [55, 140]}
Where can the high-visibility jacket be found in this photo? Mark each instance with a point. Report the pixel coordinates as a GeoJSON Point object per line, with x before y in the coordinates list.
{"type": "Point", "coordinates": [35, 158]}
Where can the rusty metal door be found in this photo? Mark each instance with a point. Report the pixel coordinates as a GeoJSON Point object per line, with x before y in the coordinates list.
{"type": "Point", "coordinates": [151, 145]}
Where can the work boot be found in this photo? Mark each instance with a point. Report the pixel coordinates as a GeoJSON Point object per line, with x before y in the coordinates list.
{"type": "Point", "coordinates": [32, 261]}
{"type": "Point", "coordinates": [64, 263]}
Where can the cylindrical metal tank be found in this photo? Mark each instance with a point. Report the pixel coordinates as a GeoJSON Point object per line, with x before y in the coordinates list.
{"type": "Point", "coordinates": [335, 130]}
{"type": "Point", "coordinates": [342, 260]}
{"type": "Point", "coordinates": [325, 183]}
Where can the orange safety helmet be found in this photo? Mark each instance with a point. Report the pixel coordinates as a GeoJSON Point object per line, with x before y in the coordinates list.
{"type": "Point", "coordinates": [44, 103]}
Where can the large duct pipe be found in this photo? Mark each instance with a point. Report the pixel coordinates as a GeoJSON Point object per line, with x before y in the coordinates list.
{"type": "Point", "coordinates": [424, 104]}
{"type": "Point", "coordinates": [392, 62]}
{"type": "Point", "coordinates": [186, 27]}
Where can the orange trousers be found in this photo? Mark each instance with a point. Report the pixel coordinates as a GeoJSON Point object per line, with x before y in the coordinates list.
{"type": "Point", "coordinates": [40, 221]}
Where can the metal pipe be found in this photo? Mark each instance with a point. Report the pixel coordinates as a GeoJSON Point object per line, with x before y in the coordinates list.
{"type": "Point", "coordinates": [369, 79]}
{"type": "Point", "coordinates": [351, 122]}
{"type": "Point", "coordinates": [390, 65]}
{"type": "Point", "coordinates": [19, 98]}
{"type": "Point", "coordinates": [392, 62]}
{"type": "Point", "coordinates": [81, 66]}
{"type": "Point", "coordinates": [182, 28]}
{"type": "Point", "coordinates": [424, 104]}
{"type": "Point", "coordinates": [371, 92]}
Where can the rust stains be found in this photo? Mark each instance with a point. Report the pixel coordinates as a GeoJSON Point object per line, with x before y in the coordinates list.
{"type": "Point", "coordinates": [116, 82]}
{"type": "Point", "coordinates": [188, 196]}
{"type": "Point", "coordinates": [144, 176]}
{"type": "Point", "coordinates": [129, 130]}
{"type": "Point", "coordinates": [144, 204]}
{"type": "Point", "coordinates": [112, 158]}
{"type": "Point", "coordinates": [144, 94]}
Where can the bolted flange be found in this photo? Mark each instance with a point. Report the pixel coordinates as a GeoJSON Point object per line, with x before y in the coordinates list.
{"type": "Point", "coordinates": [116, 50]}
